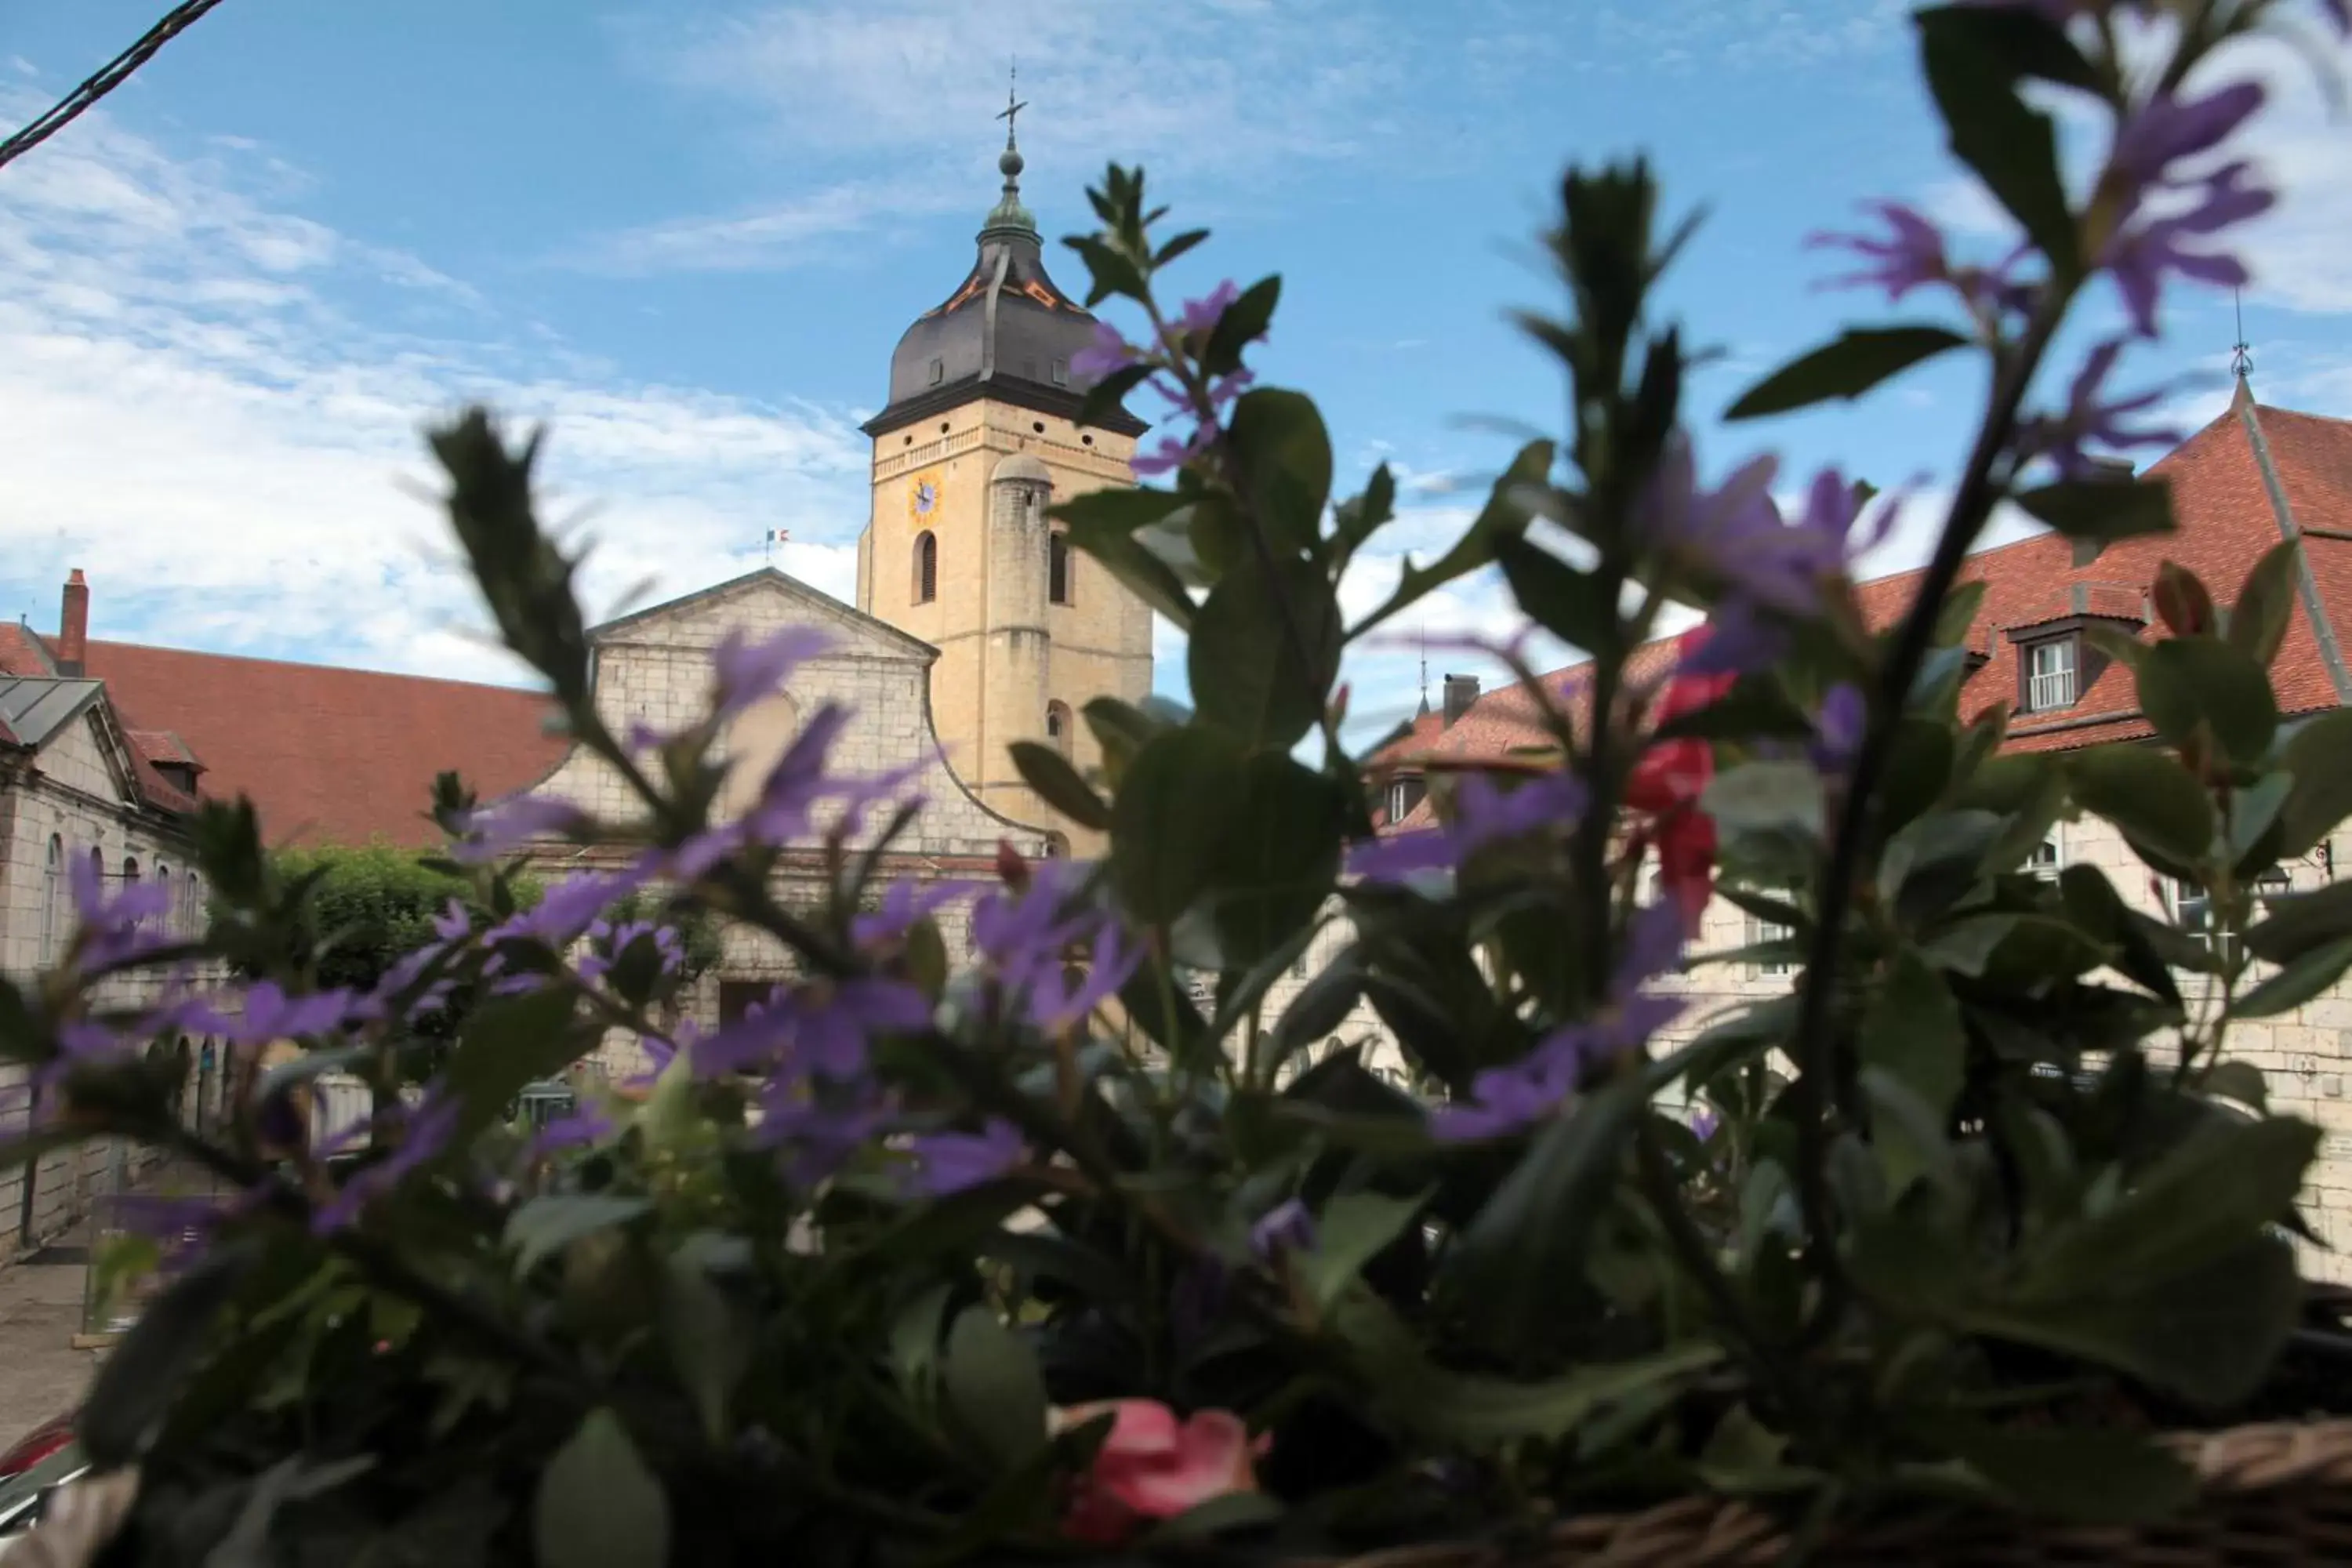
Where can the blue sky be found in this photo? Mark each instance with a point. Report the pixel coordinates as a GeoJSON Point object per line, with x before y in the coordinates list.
{"type": "Point", "coordinates": [689, 235]}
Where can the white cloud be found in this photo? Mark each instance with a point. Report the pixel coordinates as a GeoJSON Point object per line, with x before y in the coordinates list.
{"type": "Point", "coordinates": [233, 459]}
{"type": "Point", "coordinates": [855, 98]}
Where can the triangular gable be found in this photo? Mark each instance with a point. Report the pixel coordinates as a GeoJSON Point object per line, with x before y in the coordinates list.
{"type": "Point", "coordinates": [809, 604]}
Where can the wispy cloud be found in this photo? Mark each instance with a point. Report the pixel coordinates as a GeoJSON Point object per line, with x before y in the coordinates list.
{"type": "Point", "coordinates": [851, 101]}
{"type": "Point", "coordinates": [195, 420]}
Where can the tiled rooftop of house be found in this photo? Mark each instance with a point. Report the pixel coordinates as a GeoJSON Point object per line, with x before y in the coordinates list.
{"type": "Point", "coordinates": [2238, 486]}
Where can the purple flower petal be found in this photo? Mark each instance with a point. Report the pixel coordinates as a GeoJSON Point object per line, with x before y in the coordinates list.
{"type": "Point", "coordinates": [951, 1162]}
{"type": "Point", "coordinates": [746, 671]}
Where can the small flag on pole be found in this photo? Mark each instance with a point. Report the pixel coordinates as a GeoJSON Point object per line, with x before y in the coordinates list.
{"type": "Point", "coordinates": [777, 536]}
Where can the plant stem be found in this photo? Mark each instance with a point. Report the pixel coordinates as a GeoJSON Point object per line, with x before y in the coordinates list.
{"type": "Point", "coordinates": [1812, 1045]}
{"type": "Point", "coordinates": [385, 1267]}
{"type": "Point", "coordinates": [1691, 1248]}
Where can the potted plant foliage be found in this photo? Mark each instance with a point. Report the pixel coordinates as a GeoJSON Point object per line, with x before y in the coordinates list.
{"type": "Point", "coordinates": [1025, 1253]}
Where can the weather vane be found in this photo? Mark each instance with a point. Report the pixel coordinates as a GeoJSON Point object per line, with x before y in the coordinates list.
{"type": "Point", "coordinates": [2242, 357]}
{"type": "Point", "coordinates": [1013, 107]}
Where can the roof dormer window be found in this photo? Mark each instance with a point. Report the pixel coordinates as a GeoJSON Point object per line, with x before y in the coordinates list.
{"type": "Point", "coordinates": [2051, 674]}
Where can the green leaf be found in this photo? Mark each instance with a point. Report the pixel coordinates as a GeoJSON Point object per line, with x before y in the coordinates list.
{"type": "Point", "coordinates": [995, 1387]}
{"type": "Point", "coordinates": [2307, 978]}
{"type": "Point", "coordinates": [1507, 513]}
{"type": "Point", "coordinates": [710, 1338]}
{"type": "Point", "coordinates": [2240, 1081]}
{"type": "Point", "coordinates": [2182, 601]}
{"type": "Point", "coordinates": [1168, 816]}
{"type": "Point", "coordinates": [509, 1043]}
{"type": "Point", "coordinates": [1766, 796]}
{"type": "Point", "coordinates": [2296, 923]}
{"type": "Point", "coordinates": [1572, 604]}
{"type": "Point", "coordinates": [2188, 681]}
{"type": "Point", "coordinates": [1859, 360]}
{"type": "Point", "coordinates": [1912, 1030]}
{"type": "Point", "coordinates": [598, 1506]}
{"type": "Point", "coordinates": [2013, 149]}
{"type": "Point", "coordinates": [2204, 1199]}
{"type": "Point", "coordinates": [2149, 796]}
{"type": "Point", "coordinates": [1117, 508]}
{"type": "Point", "coordinates": [1321, 1006]}
{"type": "Point", "coordinates": [1357, 519]}
{"type": "Point", "coordinates": [1108, 395]}
{"type": "Point", "coordinates": [1228, 1512]}
{"type": "Point", "coordinates": [1264, 652]}
{"type": "Point", "coordinates": [141, 1376]}
{"type": "Point", "coordinates": [1282, 465]}
{"type": "Point", "coordinates": [545, 1226]}
{"type": "Point", "coordinates": [2265, 605]}
{"type": "Point", "coordinates": [1057, 784]}
{"type": "Point", "coordinates": [1506, 1271]}
{"type": "Point", "coordinates": [2087, 1477]}
{"type": "Point", "coordinates": [1274, 857]}
{"type": "Point", "coordinates": [1753, 709]}
{"type": "Point", "coordinates": [1481, 1411]}
{"type": "Point", "coordinates": [1124, 557]}
{"type": "Point", "coordinates": [1245, 321]}
{"type": "Point", "coordinates": [2318, 752]}
{"type": "Point", "coordinates": [2210, 1334]}
{"type": "Point", "coordinates": [1351, 1231]}
{"type": "Point", "coordinates": [2102, 510]}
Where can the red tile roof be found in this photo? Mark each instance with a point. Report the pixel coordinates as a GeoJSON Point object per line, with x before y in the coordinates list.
{"type": "Point", "coordinates": [328, 755]}
{"type": "Point", "coordinates": [2226, 521]}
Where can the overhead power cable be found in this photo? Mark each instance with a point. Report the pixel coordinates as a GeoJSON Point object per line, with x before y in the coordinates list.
{"type": "Point", "coordinates": [110, 76]}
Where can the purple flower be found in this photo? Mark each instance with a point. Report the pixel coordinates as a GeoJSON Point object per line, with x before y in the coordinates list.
{"type": "Point", "coordinates": [588, 1124]}
{"type": "Point", "coordinates": [950, 1163]}
{"type": "Point", "coordinates": [820, 1027]}
{"type": "Point", "coordinates": [746, 671]}
{"type": "Point", "coordinates": [568, 908]}
{"type": "Point", "coordinates": [2168, 128]}
{"type": "Point", "coordinates": [819, 1125]}
{"type": "Point", "coordinates": [2087, 419]}
{"type": "Point", "coordinates": [1108, 353]}
{"type": "Point", "coordinates": [424, 1131]}
{"type": "Point", "coordinates": [1914, 255]}
{"type": "Point", "coordinates": [2140, 257]}
{"type": "Point", "coordinates": [1288, 1227]}
{"type": "Point", "coordinates": [1837, 730]}
{"type": "Point", "coordinates": [904, 903]}
{"type": "Point", "coordinates": [1484, 814]}
{"type": "Point", "coordinates": [117, 931]}
{"type": "Point", "coordinates": [1507, 1098]}
{"type": "Point", "coordinates": [1027, 938]}
{"type": "Point", "coordinates": [1703, 1123]}
{"type": "Point", "coordinates": [1198, 318]}
{"type": "Point", "coordinates": [506, 825]}
{"type": "Point", "coordinates": [266, 1013]}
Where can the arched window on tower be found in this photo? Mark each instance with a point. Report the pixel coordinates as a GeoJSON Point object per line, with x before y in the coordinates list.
{"type": "Point", "coordinates": [53, 901]}
{"type": "Point", "coordinates": [130, 873]}
{"type": "Point", "coordinates": [927, 567]}
{"type": "Point", "coordinates": [163, 921]}
{"type": "Point", "coordinates": [1057, 569]}
{"type": "Point", "coordinates": [1057, 727]}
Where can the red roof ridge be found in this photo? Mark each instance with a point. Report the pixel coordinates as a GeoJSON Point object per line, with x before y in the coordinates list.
{"type": "Point", "coordinates": [308, 664]}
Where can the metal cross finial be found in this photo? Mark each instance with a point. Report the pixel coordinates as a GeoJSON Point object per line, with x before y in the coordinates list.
{"type": "Point", "coordinates": [1013, 107]}
{"type": "Point", "coordinates": [2242, 357]}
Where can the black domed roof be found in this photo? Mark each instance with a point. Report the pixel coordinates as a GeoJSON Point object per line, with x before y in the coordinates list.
{"type": "Point", "coordinates": [1007, 331]}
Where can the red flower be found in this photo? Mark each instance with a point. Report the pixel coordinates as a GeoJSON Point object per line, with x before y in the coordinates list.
{"type": "Point", "coordinates": [1668, 781]}
{"type": "Point", "coordinates": [1686, 861]}
{"type": "Point", "coordinates": [1152, 1466]}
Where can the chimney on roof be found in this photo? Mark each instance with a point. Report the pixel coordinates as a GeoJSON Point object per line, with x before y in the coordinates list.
{"type": "Point", "coordinates": [1461, 691]}
{"type": "Point", "coordinates": [73, 625]}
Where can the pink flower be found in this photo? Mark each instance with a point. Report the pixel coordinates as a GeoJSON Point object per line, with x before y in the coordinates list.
{"type": "Point", "coordinates": [1152, 1466]}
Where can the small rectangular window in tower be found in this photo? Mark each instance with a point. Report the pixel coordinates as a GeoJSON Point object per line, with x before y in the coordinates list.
{"type": "Point", "coordinates": [938, 371]}
{"type": "Point", "coordinates": [1061, 373]}
{"type": "Point", "coordinates": [1057, 569]}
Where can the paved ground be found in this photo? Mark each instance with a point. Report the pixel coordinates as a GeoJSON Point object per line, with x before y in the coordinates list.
{"type": "Point", "coordinates": [41, 1374]}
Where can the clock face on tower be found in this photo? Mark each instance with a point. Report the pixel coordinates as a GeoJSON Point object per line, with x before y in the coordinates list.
{"type": "Point", "coordinates": [922, 497]}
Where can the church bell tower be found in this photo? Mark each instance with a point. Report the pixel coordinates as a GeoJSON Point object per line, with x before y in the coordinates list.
{"type": "Point", "coordinates": [978, 439]}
